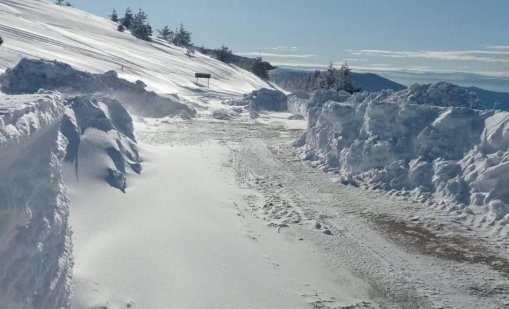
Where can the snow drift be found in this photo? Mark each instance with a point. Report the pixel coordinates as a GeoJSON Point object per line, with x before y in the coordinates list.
{"type": "Point", "coordinates": [35, 245]}
{"type": "Point", "coordinates": [115, 136]}
{"type": "Point", "coordinates": [426, 141]}
{"type": "Point", "coordinates": [28, 76]}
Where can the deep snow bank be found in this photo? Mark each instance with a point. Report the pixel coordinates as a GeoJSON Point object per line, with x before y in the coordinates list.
{"type": "Point", "coordinates": [35, 246]}
{"type": "Point", "coordinates": [455, 155]}
{"type": "Point", "coordinates": [28, 76]}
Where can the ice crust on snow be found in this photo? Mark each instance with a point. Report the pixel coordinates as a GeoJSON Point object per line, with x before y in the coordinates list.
{"type": "Point", "coordinates": [425, 140]}
{"type": "Point", "coordinates": [28, 76]}
{"type": "Point", "coordinates": [35, 238]}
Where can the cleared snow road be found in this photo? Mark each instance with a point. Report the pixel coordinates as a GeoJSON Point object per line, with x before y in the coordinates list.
{"type": "Point", "coordinates": [179, 238]}
{"type": "Point", "coordinates": [225, 215]}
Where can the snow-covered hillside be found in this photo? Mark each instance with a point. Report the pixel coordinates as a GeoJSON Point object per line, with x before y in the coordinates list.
{"type": "Point", "coordinates": [35, 238]}
{"type": "Point", "coordinates": [426, 141]}
{"type": "Point", "coordinates": [41, 29]}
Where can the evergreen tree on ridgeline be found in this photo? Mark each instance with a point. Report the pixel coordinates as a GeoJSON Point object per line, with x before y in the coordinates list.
{"type": "Point", "coordinates": [128, 18]}
{"type": "Point", "coordinates": [114, 16]}
{"type": "Point", "coordinates": [182, 37]}
{"type": "Point", "coordinates": [140, 27]}
{"type": "Point", "coordinates": [166, 34]}
{"type": "Point", "coordinates": [223, 54]}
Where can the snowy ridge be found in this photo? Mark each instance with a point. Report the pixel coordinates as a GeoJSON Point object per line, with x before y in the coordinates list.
{"type": "Point", "coordinates": [35, 244]}
{"type": "Point", "coordinates": [403, 143]}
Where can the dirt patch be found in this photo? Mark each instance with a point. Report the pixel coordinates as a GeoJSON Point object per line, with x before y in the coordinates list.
{"type": "Point", "coordinates": [424, 241]}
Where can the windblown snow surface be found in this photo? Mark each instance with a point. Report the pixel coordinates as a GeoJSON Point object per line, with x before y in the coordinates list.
{"type": "Point", "coordinates": [426, 143]}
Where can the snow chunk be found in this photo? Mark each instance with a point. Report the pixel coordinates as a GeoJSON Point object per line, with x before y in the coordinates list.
{"type": "Point", "coordinates": [267, 99]}
{"type": "Point", "coordinates": [439, 94]}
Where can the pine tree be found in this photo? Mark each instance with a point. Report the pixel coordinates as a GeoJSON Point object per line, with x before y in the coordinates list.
{"type": "Point", "coordinates": [59, 2]}
{"type": "Point", "coordinates": [329, 78]}
{"type": "Point", "coordinates": [259, 68]}
{"type": "Point", "coordinates": [224, 54]}
{"type": "Point", "coordinates": [114, 16]}
{"type": "Point", "coordinates": [1, 41]}
{"type": "Point", "coordinates": [127, 20]}
{"type": "Point", "coordinates": [140, 27]}
{"type": "Point", "coordinates": [336, 80]}
{"type": "Point", "coordinates": [165, 34]}
{"type": "Point", "coordinates": [344, 81]}
{"type": "Point", "coordinates": [182, 37]}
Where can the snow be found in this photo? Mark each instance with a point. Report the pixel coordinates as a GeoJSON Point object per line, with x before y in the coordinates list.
{"type": "Point", "coordinates": [28, 76]}
{"type": "Point", "coordinates": [35, 245]}
{"type": "Point", "coordinates": [40, 29]}
{"type": "Point", "coordinates": [215, 210]}
{"type": "Point", "coordinates": [115, 136]}
{"type": "Point", "coordinates": [424, 141]}
{"type": "Point", "coordinates": [267, 99]}
{"type": "Point", "coordinates": [180, 240]}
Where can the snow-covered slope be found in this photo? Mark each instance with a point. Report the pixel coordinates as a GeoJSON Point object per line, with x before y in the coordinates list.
{"type": "Point", "coordinates": [424, 141]}
{"type": "Point", "coordinates": [35, 245]}
{"type": "Point", "coordinates": [41, 29]}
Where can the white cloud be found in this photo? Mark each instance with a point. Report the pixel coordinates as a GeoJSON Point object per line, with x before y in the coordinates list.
{"type": "Point", "coordinates": [424, 70]}
{"type": "Point", "coordinates": [498, 47]}
{"type": "Point", "coordinates": [495, 56]}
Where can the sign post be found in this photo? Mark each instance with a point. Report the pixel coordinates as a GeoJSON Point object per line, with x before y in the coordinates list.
{"type": "Point", "coordinates": [203, 75]}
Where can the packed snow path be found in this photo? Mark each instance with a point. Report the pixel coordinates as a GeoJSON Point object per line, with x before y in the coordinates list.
{"type": "Point", "coordinates": [180, 238]}
{"type": "Point", "coordinates": [225, 215]}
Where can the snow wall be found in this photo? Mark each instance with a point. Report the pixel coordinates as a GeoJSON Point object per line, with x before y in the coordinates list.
{"type": "Point", "coordinates": [426, 141]}
{"type": "Point", "coordinates": [35, 238]}
{"type": "Point", "coordinates": [38, 132]}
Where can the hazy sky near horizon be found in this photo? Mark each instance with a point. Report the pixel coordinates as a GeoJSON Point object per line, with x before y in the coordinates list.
{"type": "Point", "coordinates": [414, 36]}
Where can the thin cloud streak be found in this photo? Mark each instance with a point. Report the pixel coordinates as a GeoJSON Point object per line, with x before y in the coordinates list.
{"type": "Point", "coordinates": [498, 56]}
{"type": "Point", "coordinates": [274, 55]}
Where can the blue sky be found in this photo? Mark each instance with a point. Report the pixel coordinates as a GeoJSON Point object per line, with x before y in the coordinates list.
{"type": "Point", "coordinates": [465, 41]}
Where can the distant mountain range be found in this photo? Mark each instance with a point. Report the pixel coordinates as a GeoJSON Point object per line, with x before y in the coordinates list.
{"type": "Point", "coordinates": [284, 78]}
